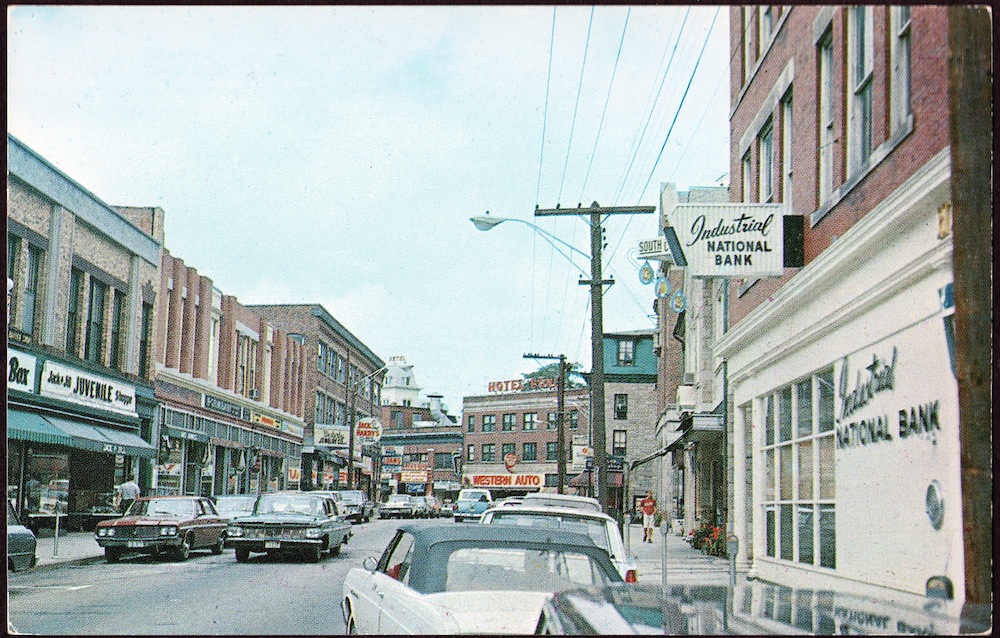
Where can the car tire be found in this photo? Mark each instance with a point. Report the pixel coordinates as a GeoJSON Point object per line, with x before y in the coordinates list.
{"type": "Point", "coordinates": [335, 550]}
{"type": "Point", "coordinates": [242, 554]}
{"type": "Point", "coordinates": [314, 554]}
{"type": "Point", "coordinates": [112, 554]}
{"type": "Point", "coordinates": [182, 552]}
{"type": "Point", "coordinates": [219, 545]}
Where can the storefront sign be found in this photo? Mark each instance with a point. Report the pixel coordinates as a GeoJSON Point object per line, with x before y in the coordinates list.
{"type": "Point", "coordinates": [392, 460]}
{"type": "Point", "coordinates": [505, 480]}
{"type": "Point", "coordinates": [654, 248]}
{"type": "Point", "coordinates": [263, 419]}
{"type": "Point", "coordinates": [292, 428]}
{"type": "Point", "coordinates": [294, 473]}
{"type": "Point", "coordinates": [84, 388]}
{"type": "Point", "coordinates": [392, 450]}
{"type": "Point", "coordinates": [413, 476]}
{"type": "Point", "coordinates": [509, 461]}
{"type": "Point", "coordinates": [731, 240]}
{"type": "Point", "coordinates": [20, 371]}
{"type": "Point", "coordinates": [581, 452]}
{"type": "Point", "coordinates": [523, 385]}
{"type": "Point", "coordinates": [368, 430]}
{"type": "Point", "coordinates": [225, 407]}
{"type": "Point", "coordinates": [331, 435]}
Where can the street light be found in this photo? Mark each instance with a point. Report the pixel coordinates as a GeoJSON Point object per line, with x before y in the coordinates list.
{"type": "Point", "coordinates": [486, 222]}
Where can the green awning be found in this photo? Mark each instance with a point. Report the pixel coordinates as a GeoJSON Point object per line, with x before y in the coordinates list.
{"type": "Point", "coordinates": [28, 426]}
{"type": "Point", "coordinates": [100, 439]}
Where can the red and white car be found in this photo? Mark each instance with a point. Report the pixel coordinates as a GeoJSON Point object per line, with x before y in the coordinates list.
{"type": "Point", "coordinates": [172, 525]}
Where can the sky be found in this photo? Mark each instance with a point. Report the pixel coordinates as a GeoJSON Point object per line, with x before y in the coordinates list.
{"type": "Point", "coordinates": [334, 155]}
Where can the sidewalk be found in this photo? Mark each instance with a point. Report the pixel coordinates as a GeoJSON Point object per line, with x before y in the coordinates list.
{"type": "Point", "coordinates": [685, 565]}
{"type": "Point", "coordinates": [73, 547]}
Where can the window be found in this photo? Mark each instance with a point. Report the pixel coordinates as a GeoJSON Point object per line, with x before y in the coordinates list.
{"type": "Point", "coordinates": [765, 182]}
{"type": "Point", "coordinates": [489, 422]}
{"type": "Point", "coordinates": [747, 50]}
{"type": "Point", "coordinates": [95, 321]}
{"type": "Point", "coordinates": [246, 362]}
{"type": "Point", "coordinates": [530, 421]}
{"type": "Point", "coordinates": [489, 453]}
{"type": "Point", "coordinates": [396, 419]}
{"type": "Point", "coordinates": [505, 449]}
{"type": "Point", "coordinates": [799, 486]}
{"type": "Point", "coordinates": [574, 420]}
{"type": "Point", "coordinates": [145, 337]}
{"type": "Point", "coordinates": [747, 175]}
{"type": "Point", "coordinates": [509, 421]}
{"type": "Point", "coordinates": [900, 56]}
{"type": "Point", "coordinates": [619, 439]}
{"type": "Point", "coordinates": [117, 316]}
{"type": "Point", "coordinates": [765, 25]}
{"type": "Point", "coordinates": [826, 103]}
{"type": "Point", "coordinates": [551, 420]}
{"type": "Point", "coordinates": [471, 452]}
{"type": "Point", "coordinates": [320, 408]}
{"type": "Point", "coordinates": [552, 451]}
{"type": "Point", "coordinates": [472, 423]}
{"type": "Point", "coordinates": [31, 289]}
{"type": "Point", "coordinates": [626, 353]}
{"type": "Point", "coordinates": [621, 406]}
{"type": "Point", "coordinates": [331, 362]}
{"type": "Point", "coordinates": [786, 148]}
{"type": "Point", "coordinates": [73, 313]}
{"type": "Point", "coordinates": [860, 60]}
{"type": "Point", "coordinates": [321, 357]}
{"type": "Point", "coordinates": [443, 461]}
{"type": "Point", "coordinates": [13, 254]}
{"type": "Point", "coordinates": [529, 452]}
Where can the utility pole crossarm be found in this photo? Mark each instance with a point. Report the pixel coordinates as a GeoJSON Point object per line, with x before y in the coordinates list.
{"type": "Point", "coordinates": [596, 208]}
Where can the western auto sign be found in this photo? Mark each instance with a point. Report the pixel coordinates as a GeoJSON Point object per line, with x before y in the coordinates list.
{"type": "Point", "coordinates": [731, 240]}
{"type": "Point", "coordinates": [527, 481]}
{"type": "Point", "coordinates": [368, 430]}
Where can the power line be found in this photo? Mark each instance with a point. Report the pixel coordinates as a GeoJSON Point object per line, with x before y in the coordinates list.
{"type": "Point", "coordinates": [579, 90]}
{"type": "Point", "coordinates": [545, 113]}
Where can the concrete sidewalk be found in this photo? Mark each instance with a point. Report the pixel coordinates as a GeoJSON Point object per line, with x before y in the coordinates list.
{"type": "Point", "coordinates": [685, 565]}
{"type": "Point", "coordinates": [71, 547]}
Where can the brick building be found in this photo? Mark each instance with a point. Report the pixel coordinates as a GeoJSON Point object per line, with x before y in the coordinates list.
{"type": "Point", "coordinates": [844, 420]}
{"type": "Point", "coordinates": [342, 384]}
{"type": "Point", "coordinates": [80, 403]}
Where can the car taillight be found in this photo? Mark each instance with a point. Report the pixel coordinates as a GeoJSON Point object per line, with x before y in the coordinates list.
{"type": "Point", "coordinates": [630, 576]}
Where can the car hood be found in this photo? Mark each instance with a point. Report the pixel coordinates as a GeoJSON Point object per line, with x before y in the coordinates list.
{"type": "Point", "coordinates": [132, 521]}
{"type": "Point", "coordinates": [284, 519]}
{"type": "Point", "coordinates": [491, 612]}
{"type": "Point", "coordinates": [395, 504]}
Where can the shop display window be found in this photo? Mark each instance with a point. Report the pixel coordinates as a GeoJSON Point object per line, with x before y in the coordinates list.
{"type": "Point", "coordinates": [47, 482]}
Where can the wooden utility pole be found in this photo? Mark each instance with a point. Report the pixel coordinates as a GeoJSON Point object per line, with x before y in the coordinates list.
{"type": "Point", "coordinates": [596, 283]}
{"type": "Point", "coordinates": [970, 80]}
{"type": "Point", "coordinates": [560, 410]}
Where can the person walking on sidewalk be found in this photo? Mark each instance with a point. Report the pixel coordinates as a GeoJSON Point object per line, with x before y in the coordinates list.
{"type": "Point", "coordinates": [648, 507]}
{"type": "Point", "coordinates": [127, 493]}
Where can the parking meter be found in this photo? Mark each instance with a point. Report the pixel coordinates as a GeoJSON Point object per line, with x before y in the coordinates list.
{"type": "Point", "coordinates": [732, 549]}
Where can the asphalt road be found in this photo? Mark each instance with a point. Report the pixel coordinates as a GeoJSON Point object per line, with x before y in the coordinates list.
{"type": "Point", "coordinates": [207, 594]}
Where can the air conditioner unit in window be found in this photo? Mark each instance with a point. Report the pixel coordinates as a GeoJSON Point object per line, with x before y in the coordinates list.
{"type": "Point", "coordinates": [255, 394]}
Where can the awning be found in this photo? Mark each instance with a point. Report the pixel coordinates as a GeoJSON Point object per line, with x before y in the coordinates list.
{"type": "Point", "coordinates": [180, 433]}
{"type": "Point", "coordinates": [101, 439]}
{"type": "Point", "coordinates": [698, 427]}
{"type": "Point", "coordinates": [583, 479]}
{"type": "Point", "coordinates": [28, 426]}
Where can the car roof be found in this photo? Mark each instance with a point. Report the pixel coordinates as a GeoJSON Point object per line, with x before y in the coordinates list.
{"type": "Point", "coordinates": [170, 497]}
{"type": "Point", "coordinates": [551, 510]}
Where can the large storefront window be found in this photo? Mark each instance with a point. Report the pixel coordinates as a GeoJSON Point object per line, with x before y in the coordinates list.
{"type": "Point", "coordinates": [799, 485]}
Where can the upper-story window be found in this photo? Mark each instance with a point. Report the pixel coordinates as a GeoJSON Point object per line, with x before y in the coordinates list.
{"type": "Point", "coordinates": [861, 51]}
{"type": "Point", "coordinates": [489, 422]}
{"type": "Point", "coordinates": [765, 23]}
{"type": "Point", "coordinates": [621, 406]}
{"type": "Point", "coordinates": [574, 420]}
{"type": "Point", "coordinates": [95, 320]}
{"type": "Point", "coordinates": [321, 357]}
{"type": "Point", "coordinates": [747, 178]}
{"type": "Point", "coordinates": [530, 421]}
{"type": "Point", "coordinates": [619, 442]}
{"type": "Point", "coordinates": [145, 338]}
{"type": "Point", "coordinates": [626, 352]}
{"type": "Point", "coordinates": [766, 148]}
{"type": "Point", "coordinates": [73, 312]}
{"type": "Point", "coordinates": [900, 55]}
{"type": "Point", "coordinates": [471, 420]}
{"type": "Point", "coordinates": [748, 58]}
{"type": "Point", "coordinates": [786, 148]}
{"type": "Point", "coordinates": [509, 420]}
{"type": "Point", "coordinates": [826, 104]}
{"type": "Point", "coordinates": [246, 364]}
{"type": "Point", "coordinates": [31, 289]}
{"type": "Point", "coordinates": [117, 325]}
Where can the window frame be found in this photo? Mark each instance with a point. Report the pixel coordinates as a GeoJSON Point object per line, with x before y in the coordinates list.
{"type": "Point", "coordinates": [508, 422]}
{"type": "Point", "coordinates": [489, 423]}
{"type": "Point", "coordinates": [901, 93]}
{"type": "Point", "coordinates": [626, 352]}
{"type": "Point", "coordinates": [94, 338]}
{"type": "Point", "coordinates": [765, 159]}
{"type": "Point", "coordinates": [621, 406]}
{"type": "Point", "coordinates": [826, 117]}
{"type": "Point", "coordinates": [529, 452]}
{"type": "Point", "coordinates": [529, 421]}
{"type": "Point", "coordinates": [860, 76]}
{"type": "Point", "coordinates": [619, 442]}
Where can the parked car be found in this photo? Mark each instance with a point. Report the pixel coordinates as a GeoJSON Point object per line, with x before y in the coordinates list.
{"type": "Point", "coordinates": [750, 608]}
{"type": "Point", "coordinates": [21, 543]}
{"type": "Point", "coordinates": [600, 527]}
{"type": "Point", "coordinates": [448, 507]}
{"type": "Point", "coordinates": [420, 509]}
{"type": "Point", "coordinates": [235, 505]}
{"type": "Point", "coordinates": [472, 503]}
{"type": "Point", "coordinates": [397, 506]}
{"type": "Point", "coordinates": [433, 506]}
{"type": "Point", "coordinates": [360, 508]}
{"type": "Point", "coordinates": [547, 499]}
{"type": "Point", "coordinates": [163, 524]}
{"type": "Point", "coordinates": [432, 578]}
{"type": "Point", "coordinates": [510, 501]}
{"type": "Point", "coordinates": [339, 505]}
{"type": "Point", "coordinates": [289, 522]}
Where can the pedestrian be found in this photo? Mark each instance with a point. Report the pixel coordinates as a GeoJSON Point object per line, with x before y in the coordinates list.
{"type": "Point", "coordinates": [648, 507]}
{"type": "Point", "coordinates": [127, 493]}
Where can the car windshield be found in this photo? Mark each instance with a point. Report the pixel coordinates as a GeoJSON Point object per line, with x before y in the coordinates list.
{"type": "Point", "coordinates": [290, 504]}
{"type": "Point", "coordinates": [352, 497]}
{"type": "Point", "coordinates": [163, 507]}
{"type": "Point", "coordinates": [558, 502]}
{"type": "Point", "coordinates": [237, 505]}
{"type": "Point", "coordinates": [521, 569]}
{"type": "Point", "coordinates": [474, 496]}
{"type": "Point", "coordinates": [597, 530]}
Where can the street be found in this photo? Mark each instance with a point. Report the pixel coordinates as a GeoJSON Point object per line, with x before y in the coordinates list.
{"type": "Point", "coordinates": [207, 594]}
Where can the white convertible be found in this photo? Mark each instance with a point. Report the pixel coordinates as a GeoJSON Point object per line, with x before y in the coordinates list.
{"type": "Point", "coordinates": [450, 579]}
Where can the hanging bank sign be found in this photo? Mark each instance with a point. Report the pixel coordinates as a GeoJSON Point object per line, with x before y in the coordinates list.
{"type": "Point", "coordinates": [734, 240]}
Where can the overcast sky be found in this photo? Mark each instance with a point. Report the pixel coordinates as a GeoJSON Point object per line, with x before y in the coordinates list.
{"type": "Point", "coordinates": [334, 155]}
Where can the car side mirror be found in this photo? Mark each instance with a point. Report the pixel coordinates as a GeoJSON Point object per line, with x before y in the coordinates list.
{"type": "Point", "coordinates": [370, 564]}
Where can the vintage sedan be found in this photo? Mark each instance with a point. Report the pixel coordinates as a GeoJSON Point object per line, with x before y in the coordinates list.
{"type": "Point", "coordinates": [449, 579]}
{"type": "Point", "coordinates": [397, 506]}
{"type": "Point", "coordinates": [359, 506]}
{"type": "Point", "coordinates": [289, 522]}
{"type": "Point", "coordinates": [163, 524]}
{"type": "Point", "coordinates": [21, 543]}
{"type": "Point", "coordinates": [600, 527]}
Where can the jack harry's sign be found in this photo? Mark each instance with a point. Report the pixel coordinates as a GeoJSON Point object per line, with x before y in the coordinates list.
{"type": "Point", "coordinates": [731, 240]}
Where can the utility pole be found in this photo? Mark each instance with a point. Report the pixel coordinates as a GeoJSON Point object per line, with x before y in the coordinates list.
{"type": "Point", "coordinates": [596, 284]}
{"type": "Point", "coordinates": [560, 410]}
{"type": "Point", "coordinates": [350, 437]}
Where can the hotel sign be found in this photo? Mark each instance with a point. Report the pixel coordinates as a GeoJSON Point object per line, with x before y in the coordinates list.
{"type": "Point", "coordinates": [731, 240]}
{"type": "Point", "coordinates": [84, 388]}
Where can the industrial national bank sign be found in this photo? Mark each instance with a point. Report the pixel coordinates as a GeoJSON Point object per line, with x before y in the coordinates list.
{"type": "Point", "coordinates": [736, 240]}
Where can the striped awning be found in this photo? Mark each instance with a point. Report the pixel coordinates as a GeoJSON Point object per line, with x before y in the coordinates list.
{"type": "Point", "coordinates": [28, 426]}
{"type": "Point", "coordinates": [100, 439]}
